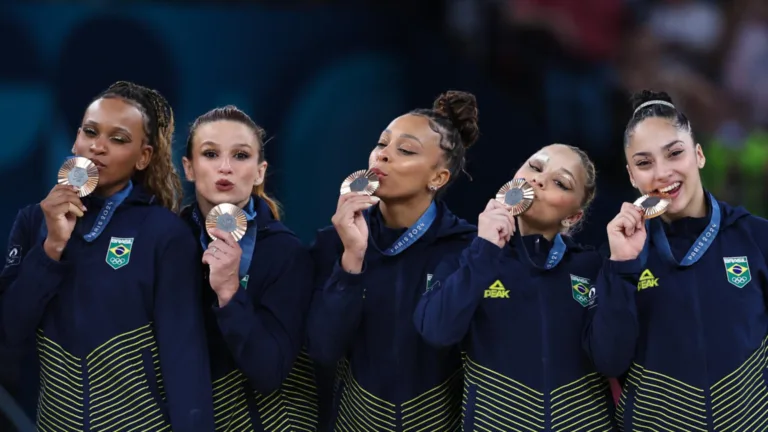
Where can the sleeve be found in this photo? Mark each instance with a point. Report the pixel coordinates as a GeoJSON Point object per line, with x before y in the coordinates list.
{"type": "Point", "coordinates": [611, 329]}
{"type": "Point", "coordinates": [180, 331]}
{"type": "Point", "coordinates": [28, 282]}
{"type": "Point", "coordinates": [336, 308]}
{"type": "Point", "coordinates": [444, 313]}
{"type": "Point", "coordinates": [266, 338]}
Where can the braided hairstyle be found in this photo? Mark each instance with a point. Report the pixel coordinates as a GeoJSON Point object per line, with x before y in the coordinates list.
{"type": "Point", "coordinates": [454, 116]}
{"type": "Point", "coordinates": [160, 178]}
{"type": "Point", "coordinates": [647, 104]}
{"type": "Point", "coordinates": [234, 114]}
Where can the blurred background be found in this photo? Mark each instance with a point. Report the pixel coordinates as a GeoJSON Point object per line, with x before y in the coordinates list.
{"type": "Point", "coordinates": [325, 77]}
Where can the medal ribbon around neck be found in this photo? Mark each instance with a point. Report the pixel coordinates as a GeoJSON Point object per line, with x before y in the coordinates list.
{"type": "Point", "coordinates": [411, 235]}
{"type": "Point", "coordinates": [106, 213]}
{"type": "Point", "coordinates": [247, 243]}
{"type": "Point", "coordinates": [699, 248]}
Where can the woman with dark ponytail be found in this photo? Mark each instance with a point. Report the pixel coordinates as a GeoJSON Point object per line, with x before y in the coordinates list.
{"type": "Point", "coordinates": [682, 312]}
{"type": "Point", "coordinates": [374, 264]}
{"type": "Point", "coordinates": [113, 296]}
{"type": "Point", "coordinates": [258, 288]}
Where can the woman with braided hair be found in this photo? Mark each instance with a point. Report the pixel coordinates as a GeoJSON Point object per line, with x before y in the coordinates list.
{"type": "Point", "coordinates": [373, 265]}
{"type": "Point", "coordinates": [121, 343]}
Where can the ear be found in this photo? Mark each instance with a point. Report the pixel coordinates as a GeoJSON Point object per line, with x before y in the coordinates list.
{"type": "Point", "coordinates": [631, 178]}
{"type": "Point", "coordinates": [261, 171]}
{"type": "Point", "coordinates": [144, 158]}
{"type": "Point", "coordinates": [573, 219]}
{"type": "Point", "coordinates": [189, 172]}
{"type": "Point", "coordinates": [439, 179]}
{"type": "Point", "coordinates": [701, 160]}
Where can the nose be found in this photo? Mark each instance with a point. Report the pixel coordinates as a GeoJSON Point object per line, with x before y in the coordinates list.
{"type": "Point", "coordinates": [225, 167]}
{"type": "Point", "coordinates": [98, 146]}
{"type": "Point", "coordinates": [537, 182]}
{"type": "Point", "coordinates": [381, 155]}
{"type": "Point", "coordinates": [663, 172]}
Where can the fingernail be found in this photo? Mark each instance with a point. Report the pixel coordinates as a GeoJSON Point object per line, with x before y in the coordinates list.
{"type": "Point", "coordinates": [375, 199]}
{"type": "Point", "coordinates": [84, 209]}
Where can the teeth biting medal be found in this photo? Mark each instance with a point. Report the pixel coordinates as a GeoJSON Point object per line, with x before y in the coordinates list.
{"type": "Point", "coordinates": [364, 181]}
{"type": "Point", "coordinates": [653, 204]}
{"type": "Point", "coordinates": [517, 195]}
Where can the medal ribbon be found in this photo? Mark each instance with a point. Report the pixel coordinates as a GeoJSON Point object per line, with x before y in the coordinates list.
{"type": "Point", "coordinates": [247, 242]}
{"type": "Point", "coordinates": [411, 235]}
{"type": "Point", "coordinates": [698, 248]}
{"type": "Point", "coordinates": [105, 215]}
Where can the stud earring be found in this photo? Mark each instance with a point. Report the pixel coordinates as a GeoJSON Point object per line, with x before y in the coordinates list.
{"type": "Point", "coordinates": [432, 188]}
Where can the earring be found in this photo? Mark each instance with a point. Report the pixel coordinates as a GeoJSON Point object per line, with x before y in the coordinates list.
{"type": "Point", "coordinates": [432, 188]}
{"type": "Point", "coordinates": [565, 223]}
{"type": "Point", "coordinates": [634, 185]}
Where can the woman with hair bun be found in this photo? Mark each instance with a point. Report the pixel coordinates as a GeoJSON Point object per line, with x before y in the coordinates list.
{"type": "Point", "coordinates": [374, 264]}
{"type": "Point", "coordinates": [682, 314]}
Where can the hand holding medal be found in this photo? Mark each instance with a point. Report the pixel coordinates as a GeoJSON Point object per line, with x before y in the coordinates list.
{"type": "Point", "coordinates": [497, 222]}
{"type": "Point", "coordinates": [226, 224]}
{"type": "Point", "coordinates": [356, 195]}
{"type": "Point", "coordinates": [626, 232]}
{"type": "Point", "coordinates": [82, 174]}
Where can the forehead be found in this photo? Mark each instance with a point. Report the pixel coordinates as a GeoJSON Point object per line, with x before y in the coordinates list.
{"type": "Point", "coordinates": [558, 157]}
{"type": "Point", "coordinates": [225, 133]}
{"type": "Point", "coordinates": [653, 134]}
{"type": "Point", "coordinates": [115, 112]}
{"type": "Point", "coordinates": [416, 126]}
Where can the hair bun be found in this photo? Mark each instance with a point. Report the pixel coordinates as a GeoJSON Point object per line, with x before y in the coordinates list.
{"type": "Point", "coordinates": [461, 108]}
{"type": "Point", "coordinates": [644, 96]}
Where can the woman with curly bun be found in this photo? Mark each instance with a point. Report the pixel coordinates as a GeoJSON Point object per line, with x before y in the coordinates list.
{"type": "Point", "coordinates": [374, 264]}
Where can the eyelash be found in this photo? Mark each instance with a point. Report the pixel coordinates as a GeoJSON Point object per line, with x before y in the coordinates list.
{"type": "Point", "coordinates": [673, 154]}
{"type": "Point", "coordinates": [210, 154]}
{"type": "Point", "coordinates": [90, 132]}
{"type": "Point", "coordinates": [401, 150]}
{"type": "Point", "coordinates": [558, 183]}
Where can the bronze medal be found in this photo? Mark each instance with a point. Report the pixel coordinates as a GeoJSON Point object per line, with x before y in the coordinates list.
{"type": "Point", "coordinates": [517, 195]}
{"type": "Point", "coordinates": [360, 181]}
{"type": "Point", "coordinates": [653, 204]}
{"type": "Point", "coordinates": [228, 218]}
{"type": "Point", "coordinates": [81, 173]}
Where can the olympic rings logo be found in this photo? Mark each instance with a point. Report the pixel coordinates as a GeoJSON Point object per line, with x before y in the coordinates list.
{"type": "Point", "coordinates": [117, 261]}
{"type": "Point", "coordinates": [739, 279]}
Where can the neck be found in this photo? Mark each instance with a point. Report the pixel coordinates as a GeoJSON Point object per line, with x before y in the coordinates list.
{"type": "Point", "coordinates": [697, 208]}
{"type": "Point", "coordinates": [206, 206]}
{"type": "Point", "coordinates": [403, 214]}
{"type": "Point", "coordinates": [526, 228]}
{"type": "Point", "coordinates": [108, 191]}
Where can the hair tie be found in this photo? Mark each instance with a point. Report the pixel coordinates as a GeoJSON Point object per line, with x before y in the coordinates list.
{"type": "Point", "coordinates": [654, 102]}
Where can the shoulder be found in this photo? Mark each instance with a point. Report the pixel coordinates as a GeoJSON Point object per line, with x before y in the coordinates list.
{"type": "Point", "coordinates": [283, 239]}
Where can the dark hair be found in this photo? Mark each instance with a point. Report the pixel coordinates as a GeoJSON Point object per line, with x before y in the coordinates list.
{"type": "Point", "coordinates": [647, 104]}
{"type": "Point", "coordinates": [454, 117]}
{"type": "Point", "coordinates": [160, 178]}
{"type": "Point", "coordinates": [234, 114]}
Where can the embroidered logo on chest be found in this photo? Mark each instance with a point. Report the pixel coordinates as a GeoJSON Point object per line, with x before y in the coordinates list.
{"type": "Point", "coordinates": [647, 280]}
{"type": "Point", "coordinates": [737, 271]}
{"type": "Point", "coordinates": [496, 291]}
{"type": "Point", "coordinates": [119, 252]}
{"type": "Point", "coordinates": [583, 291]}
{"type": "Point", "coordinates": [14, 256]}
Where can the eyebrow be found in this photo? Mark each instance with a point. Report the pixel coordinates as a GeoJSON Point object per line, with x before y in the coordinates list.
{"type": "Point", "coordinates": [213, 143]}
{"type": "Point", "coordinates": [665, 147]}
{"type": "Point", "coordinates": [405, 135]}
{"type": "Point", "coordinates": [568, 173]}
{"type": "Point", "coordinates": [95, 123]}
